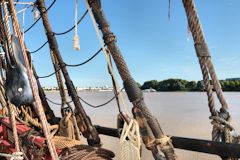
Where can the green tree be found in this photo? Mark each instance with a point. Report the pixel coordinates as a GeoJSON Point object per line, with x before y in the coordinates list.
{"type": "Point", "coordinates": [150, 84]}
{"type": "Point", "coordinates": [191, 86]}
{"type": "Point", "coordinates": [138, 84]}
{"type": "Point", "coordinates": [172, 85]}
{"type": "Point", "coordinates": [200, 86]}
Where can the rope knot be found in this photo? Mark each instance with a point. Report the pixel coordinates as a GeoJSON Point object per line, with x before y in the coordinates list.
{"type": "Point", "coordinates": [164, 142]}
{"type": "Point", "coordinates": [221, 126]}
{"type": "Point", "coordinates": [76, 42]}
{"type": "Point", "coordinates": [221, 123]}
{"type": "Point", "coordinates": [150, 144]}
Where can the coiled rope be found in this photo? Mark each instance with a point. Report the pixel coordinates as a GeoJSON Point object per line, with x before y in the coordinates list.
{"type": "Point", "coordinates": [84, 152]}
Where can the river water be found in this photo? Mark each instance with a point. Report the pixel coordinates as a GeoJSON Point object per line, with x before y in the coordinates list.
{"type": "Point", "coordinates": [182, 114]}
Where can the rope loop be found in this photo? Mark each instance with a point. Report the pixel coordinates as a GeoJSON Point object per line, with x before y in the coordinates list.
{"type": "Point", "coordinates": [221, 123]}
{"type": "Point", "coordinates": [164, 142]}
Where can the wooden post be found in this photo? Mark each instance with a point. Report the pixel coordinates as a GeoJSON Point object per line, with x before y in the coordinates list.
{"type": "Point", "coordinates": [84, 124]}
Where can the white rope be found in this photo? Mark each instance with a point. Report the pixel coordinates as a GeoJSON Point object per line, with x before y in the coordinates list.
{"type": "Point", "coordinates": [130, 141]}
{"type": "Point", "coordinates": [14, 156]}
{"type": "Point", "coordinates": [36, 15]}
{"type": "Point", "coordinates": [23, 23]}
{"type": "Point", "coordinates": [106, 53]}
{"type": "Point", "coordinates": [76, 38]}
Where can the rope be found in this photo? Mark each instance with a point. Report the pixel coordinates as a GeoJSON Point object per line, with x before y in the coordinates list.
{"type": "Point", "coordinates": [8, 32]}
{"type": "Point", "coordinates": [73, 65]}
{"type": "Point", "coordinates": [221, 120]}
{"type": "Point", "coordinates": [23, 22]}
{"type": "Point", "coordinates": [87, 103]}
{"type": "Point", "coordinates": [64, 142]}
{"type": "Point", "coordinates": [39, 17]}
{"type": "Point", "coordinates": [13, 156]}
{"type": "Point", "coordinates": [39, 48]}
{"type": "Point", "coordinates": [62, 33]}
{"type": "Point", "coordinates": [70, 29]}
{"type": "Point", "coordinates": [76, 38]}
{"type": "Point", "coordinates": [84, 152]}
{"type": "Point", "coordinates": [14, 128]}
{"type": "Point", "coordinates": [11, 107]}
{"type": "Point", "coordinates": [80, 64]}
{"type": "Point", "coordinates": [33, 84]}
{"type": "Point", "coordinates": [130, 141]}
{"type": "Point", "coordinates": [106, 53]}
{"type": "Point", "coordinates": [63, 93]}
{"type": "Point", "coordinates": [169, 9]}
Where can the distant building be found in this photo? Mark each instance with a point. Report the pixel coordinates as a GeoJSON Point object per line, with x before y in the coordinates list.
{"type": "Point", "coordinates": [233, 79]}
{"type": "Point", "coordinates": [149, 90]}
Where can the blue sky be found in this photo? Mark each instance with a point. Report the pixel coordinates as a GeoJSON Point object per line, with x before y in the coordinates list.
{"type": "Point", "coordinates": [153, 47]}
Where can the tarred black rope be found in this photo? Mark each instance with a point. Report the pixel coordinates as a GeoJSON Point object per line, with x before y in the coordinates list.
{"type": "Point", "coordinates": [87, 103]}
{"type": "Point", "coordinates": [93, 56]}
{"type": "Point", "coordinates": [69, 30]}
{"type": "Point", "coordinates": [39, 17]}
{"type": "Point", "coordinates": [49, 74]}
{"type": "Point", "coordinates": [39, 48]}
{"type": "Point", "coordinates": [71, 65]}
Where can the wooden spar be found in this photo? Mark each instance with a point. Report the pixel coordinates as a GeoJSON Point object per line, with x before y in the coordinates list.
{"type": "Point", "coordinates": [84, 122]}
{"type": "Point", "coordinates": [206, 146]}
{"type": "Point", "coordinates": [133, 91]}
{"type": "Point", "coordinates": [190, 144]}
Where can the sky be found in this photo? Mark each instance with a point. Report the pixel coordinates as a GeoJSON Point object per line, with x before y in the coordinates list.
{"type": "Point", "coordinates": [153, 46]}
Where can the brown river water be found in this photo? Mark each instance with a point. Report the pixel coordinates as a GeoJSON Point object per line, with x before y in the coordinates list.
{"type": "Point", "coordinates": [182, 114]}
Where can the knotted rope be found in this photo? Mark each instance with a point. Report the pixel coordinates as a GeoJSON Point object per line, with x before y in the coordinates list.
{"type": "Point", "coordinates": [221, 119]}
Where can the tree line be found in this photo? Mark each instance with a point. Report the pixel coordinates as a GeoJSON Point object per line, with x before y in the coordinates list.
{"type": "Point", "coordinates": [184, 85]}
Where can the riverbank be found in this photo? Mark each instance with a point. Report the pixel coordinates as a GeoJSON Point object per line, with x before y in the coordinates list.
{"type": "Point", "coordinates": [183, 114]}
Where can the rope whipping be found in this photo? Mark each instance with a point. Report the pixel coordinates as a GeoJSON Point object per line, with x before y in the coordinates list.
{"type": "Point", "coordinates": [32, 81]}
{"type": "Point", "coordinates": [221, 131]}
